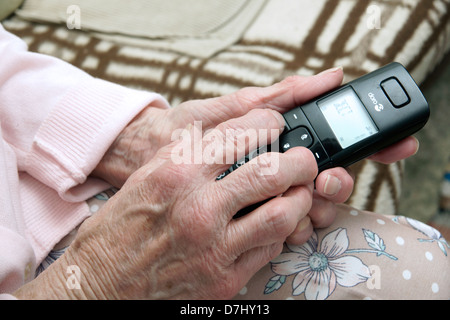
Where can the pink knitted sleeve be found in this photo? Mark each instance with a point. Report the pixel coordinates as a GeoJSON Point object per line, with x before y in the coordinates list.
{"type": "Point", "coordinates": [59, 120]}
{"type": "Point", "coordinates": [56, 123]}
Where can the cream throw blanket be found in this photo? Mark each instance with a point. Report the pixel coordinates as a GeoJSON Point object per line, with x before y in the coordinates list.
{"type": "Point", "coordinates": [198, 28]}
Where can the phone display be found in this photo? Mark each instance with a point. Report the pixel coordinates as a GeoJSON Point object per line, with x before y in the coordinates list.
{"type": "Point", "coordinates": [347, 117]}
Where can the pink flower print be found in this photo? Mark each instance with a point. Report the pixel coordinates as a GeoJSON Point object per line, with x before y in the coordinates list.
{"type": "Point", "coordinates": [318, 270]}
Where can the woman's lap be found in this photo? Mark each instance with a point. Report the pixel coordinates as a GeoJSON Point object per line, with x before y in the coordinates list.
{"type": "Point", "coordinates": [362, 255]}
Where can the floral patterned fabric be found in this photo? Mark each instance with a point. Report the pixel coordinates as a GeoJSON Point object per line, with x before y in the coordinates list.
{"type": "Point", "coordinates": [362, 255]}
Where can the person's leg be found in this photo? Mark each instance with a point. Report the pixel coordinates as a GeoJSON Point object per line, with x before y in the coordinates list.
{"type": "Point", "coordinates": [362, 255]}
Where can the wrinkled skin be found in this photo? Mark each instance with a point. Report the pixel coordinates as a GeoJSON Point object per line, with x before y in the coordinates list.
{"type": "Point", "coordinates": [169, 233]}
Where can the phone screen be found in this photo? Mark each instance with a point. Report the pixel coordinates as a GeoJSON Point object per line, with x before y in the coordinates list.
{"type": "Point", "coordinates": [347, 117]}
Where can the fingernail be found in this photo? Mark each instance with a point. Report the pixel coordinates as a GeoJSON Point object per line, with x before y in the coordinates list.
{"type": "Point", "coordinates": [332, 70]}
{"type": "Point", "coordinates": [332, 185]}
{"type": "Point", "coordinates": [303, 224]}
{"type": "Point", "coordinates": [418, 145]}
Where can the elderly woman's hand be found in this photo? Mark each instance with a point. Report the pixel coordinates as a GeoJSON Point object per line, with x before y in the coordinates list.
{"type": "Point", "coordinates": [170, 233]}
{"type": "Point", "coordinates": [154, 128]}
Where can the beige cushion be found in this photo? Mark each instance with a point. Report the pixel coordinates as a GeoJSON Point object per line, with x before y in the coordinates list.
{"type": "Point", "coordinates": [8, 7]}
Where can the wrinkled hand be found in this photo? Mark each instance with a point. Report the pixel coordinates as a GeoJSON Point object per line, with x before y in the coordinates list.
{"type": "Point", "coordinates": [170, 233]}
{"type": "Point", "coordinates": [154, 128]}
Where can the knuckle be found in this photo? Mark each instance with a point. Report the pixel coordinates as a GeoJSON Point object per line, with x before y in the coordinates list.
{"type": "Point", "coordinates": [272, 173]}
{"type": "Point", "coordinates": [307, 162]}
{"type": "Point", "coordinates": [255, 118]}
{"type": "Point", "coordinates": [273, 179]}
{"type": "Point", "coordinates": [268, 118]}
{"type": "Point", "coordinates": [292, 80]}
{"type": "Point", "coordinates": [174, 176]}
{"type": "Point", "coordinates": [161, 186]}
{"type": "Point", "coordinates": [263, 113]}
{"type": "Point", "coordinates": [231, 135]}
{"type": "Point", "coordinates": [268, 180]}
{"type": "Point", "coordinates": [279, 221]}
{"type": "Point", "coordinates": [248, 97]}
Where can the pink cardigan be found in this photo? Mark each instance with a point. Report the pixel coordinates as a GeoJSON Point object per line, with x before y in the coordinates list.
{"type": "Point", "coordinates": [56, 123]}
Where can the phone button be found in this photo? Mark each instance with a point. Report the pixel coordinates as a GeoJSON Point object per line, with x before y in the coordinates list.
{"type": "Point", "coordinates": [320, 154]}
{"type": "Point", "coordinates": [295, 118]}
{"type": "Point", "coordinates": [300, 137]}
{"type": "Point", "coordinates": [395, 92]}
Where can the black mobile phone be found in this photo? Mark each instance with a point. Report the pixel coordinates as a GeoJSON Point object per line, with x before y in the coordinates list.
{"type": "Point", "coordinates": [354, 121]}
{"type": "Point", "coordinates": [358, 119]}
